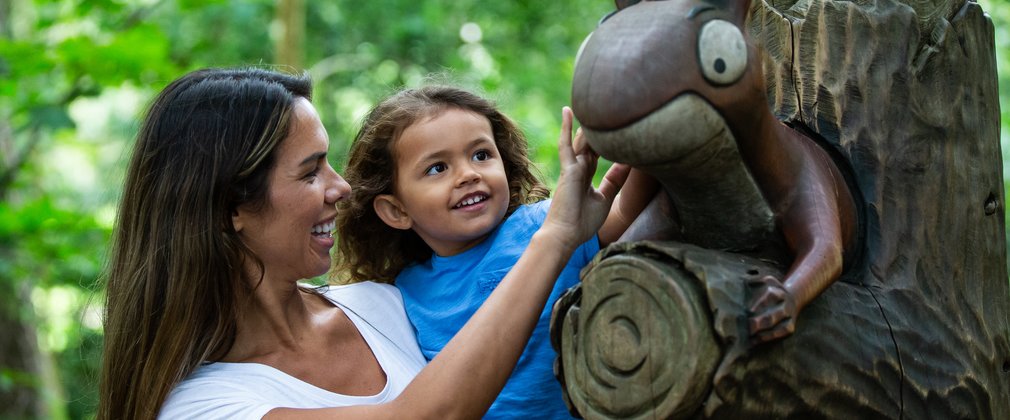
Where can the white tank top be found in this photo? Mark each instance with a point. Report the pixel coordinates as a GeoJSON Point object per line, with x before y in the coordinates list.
{"type": "Point", "coordinates": [250, 390]}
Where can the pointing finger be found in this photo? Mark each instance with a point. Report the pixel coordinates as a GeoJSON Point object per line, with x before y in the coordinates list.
{"type": "Point", "coordinates": [565, 152]}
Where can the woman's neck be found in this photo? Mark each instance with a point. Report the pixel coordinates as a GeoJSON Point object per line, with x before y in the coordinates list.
{"type": "Point", "coordinates": [302, 334]}
{"type": "Point", "coordinates": [275, 319]}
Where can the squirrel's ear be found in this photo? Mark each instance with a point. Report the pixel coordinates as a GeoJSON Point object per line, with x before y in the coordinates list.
{"type": "Point", "coordinates": [624, 3]}
{"type": "Point", "coordinates": [391, 211]}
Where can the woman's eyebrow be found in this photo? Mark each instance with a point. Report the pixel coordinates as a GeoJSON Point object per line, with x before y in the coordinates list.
{"type": "Point", "coordinates": [312, 158]}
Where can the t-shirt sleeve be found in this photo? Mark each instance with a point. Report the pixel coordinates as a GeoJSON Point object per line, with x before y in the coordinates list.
{"type": "Point", "coordinates": [207, 400]}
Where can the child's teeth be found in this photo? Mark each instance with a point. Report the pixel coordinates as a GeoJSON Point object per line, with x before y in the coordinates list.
{"type": "Point", "coordinates": [471, 201]}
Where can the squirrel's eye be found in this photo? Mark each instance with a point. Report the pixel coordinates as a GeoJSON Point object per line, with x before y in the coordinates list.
{"type": "Point", "coordinates": [722, 52]}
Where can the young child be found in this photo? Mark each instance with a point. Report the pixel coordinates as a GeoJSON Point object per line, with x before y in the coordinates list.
{"type": "Point", "coordinates": [443, 204]}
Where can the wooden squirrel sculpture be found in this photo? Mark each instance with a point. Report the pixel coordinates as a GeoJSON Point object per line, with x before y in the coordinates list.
{"type": "Point", "coordinates": [675, 89]}
{"type": "Point", "coordinates": [886, 169]}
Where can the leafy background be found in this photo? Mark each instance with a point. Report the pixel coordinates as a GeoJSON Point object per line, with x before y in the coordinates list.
{"type": "Point", "coordinates": [75, 76]}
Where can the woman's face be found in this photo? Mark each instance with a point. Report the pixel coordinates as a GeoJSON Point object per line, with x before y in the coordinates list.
{"type": "Point", "coordinates": [292, 235]}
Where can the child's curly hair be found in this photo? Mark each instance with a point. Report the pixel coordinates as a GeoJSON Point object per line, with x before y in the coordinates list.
{"type": "Point", "coordinates": [367, 248]}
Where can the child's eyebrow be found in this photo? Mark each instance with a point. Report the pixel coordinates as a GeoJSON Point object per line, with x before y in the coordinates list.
{"type": "Point", "coordinates": [442, 153]}
{"type": "Point", "coordinates": [480, 140]}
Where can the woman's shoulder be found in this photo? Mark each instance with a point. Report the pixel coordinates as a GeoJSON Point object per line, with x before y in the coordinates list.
{"type": "Point", "coordinates": [378, 307]}
{"type": "Point", "coordinates": [376, 303]}
{"type": "Point", "coordinates": [367, 291]}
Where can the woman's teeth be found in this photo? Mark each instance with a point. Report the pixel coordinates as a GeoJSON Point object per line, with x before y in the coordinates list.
{"type": "Point", "coordinates": [324, 228]}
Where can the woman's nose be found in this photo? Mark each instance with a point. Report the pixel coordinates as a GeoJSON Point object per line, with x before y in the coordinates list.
{"type": "Point", "coordinates": [338, 189]}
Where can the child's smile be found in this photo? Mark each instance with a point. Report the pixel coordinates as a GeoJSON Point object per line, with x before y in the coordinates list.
{"type": "Point", "coordinates": [450, 185]}
{"type": "Point", "coordinates": [471, 200]}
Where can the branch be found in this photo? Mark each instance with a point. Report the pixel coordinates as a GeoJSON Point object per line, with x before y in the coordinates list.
{"type": "Point", "coordinates": [7, 176]}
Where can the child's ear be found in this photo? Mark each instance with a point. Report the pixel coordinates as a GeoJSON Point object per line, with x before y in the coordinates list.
{"type": "Point", "coordinates": [391, 211]}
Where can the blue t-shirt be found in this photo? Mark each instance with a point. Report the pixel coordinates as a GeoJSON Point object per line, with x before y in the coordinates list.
{"type": "Point", "coordinates": [442, 293]}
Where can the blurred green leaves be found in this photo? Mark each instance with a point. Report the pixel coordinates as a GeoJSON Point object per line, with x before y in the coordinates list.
{"type": "Point", "coordinates": [52, 246]}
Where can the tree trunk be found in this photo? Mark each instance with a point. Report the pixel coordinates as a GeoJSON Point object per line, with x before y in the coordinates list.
{"type": "Point", "coordinates": [289, 47]}
{"type": "Point", "coordinates": [21, 377]}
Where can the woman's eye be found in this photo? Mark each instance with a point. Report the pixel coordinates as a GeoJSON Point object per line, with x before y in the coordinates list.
{"type": "Point", "coordinates": [722, 52]}
{"type": "Point", "coordinates": [481, 155]}
{"type": "Point", "coordinates": [435, 169]}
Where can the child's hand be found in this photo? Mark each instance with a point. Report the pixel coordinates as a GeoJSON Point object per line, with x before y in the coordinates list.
{"type": "Point", "coordinates": [578, 210]}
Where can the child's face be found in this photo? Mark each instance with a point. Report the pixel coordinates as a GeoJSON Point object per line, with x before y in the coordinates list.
{"type": "Point", "coordinates": [450, 184]}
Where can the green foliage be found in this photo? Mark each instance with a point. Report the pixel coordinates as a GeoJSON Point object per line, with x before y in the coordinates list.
{"type": "Point", "coordinates": [71, 241]}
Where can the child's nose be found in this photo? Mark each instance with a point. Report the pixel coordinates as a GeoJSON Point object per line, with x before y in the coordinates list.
{"type": "Point", "coordinates": [467, 175]}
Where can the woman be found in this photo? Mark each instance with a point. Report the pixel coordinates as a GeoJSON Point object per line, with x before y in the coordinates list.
{"type": "Point", "coordinates": [228, 202]}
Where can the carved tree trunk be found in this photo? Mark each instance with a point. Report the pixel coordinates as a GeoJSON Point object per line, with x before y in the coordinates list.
{"type": "Point", "coordinates": [908, 94]}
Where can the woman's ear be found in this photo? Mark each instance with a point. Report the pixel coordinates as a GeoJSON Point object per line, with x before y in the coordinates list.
{"type": "Point", "coordinates": [237, 220]}
{"type": "Point", "coordinates": [391, 211]}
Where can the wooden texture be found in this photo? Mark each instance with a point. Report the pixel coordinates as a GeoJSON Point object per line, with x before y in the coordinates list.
{"type": "Point", "coordinates": [907, 93]}
{"type": "Point", "coordinates": [919, 327]}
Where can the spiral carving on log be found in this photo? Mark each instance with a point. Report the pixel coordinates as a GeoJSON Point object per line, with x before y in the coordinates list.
{"type": "Point", "coordinates": [642, 327]}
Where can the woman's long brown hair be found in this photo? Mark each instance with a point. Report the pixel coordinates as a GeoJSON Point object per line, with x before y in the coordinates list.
{"type": "Point", "coordinates": [174, 278]}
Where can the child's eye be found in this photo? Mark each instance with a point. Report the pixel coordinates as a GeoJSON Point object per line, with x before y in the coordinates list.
{"type": "Point", "coordinates": [435, 169]}
{"type": "Point", "coordinates": [482, 155]}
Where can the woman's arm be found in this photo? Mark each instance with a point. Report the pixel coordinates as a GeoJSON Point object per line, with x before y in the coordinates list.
{"type": "Point", "coordinates": [466, 376]}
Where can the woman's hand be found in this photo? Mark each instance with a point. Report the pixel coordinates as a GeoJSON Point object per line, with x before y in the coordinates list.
{"type": "Point", "coordinates": [578, 210]}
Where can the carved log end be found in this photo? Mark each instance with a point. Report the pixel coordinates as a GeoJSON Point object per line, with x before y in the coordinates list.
{"type": "Point", "coordinates": [640, 343]}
